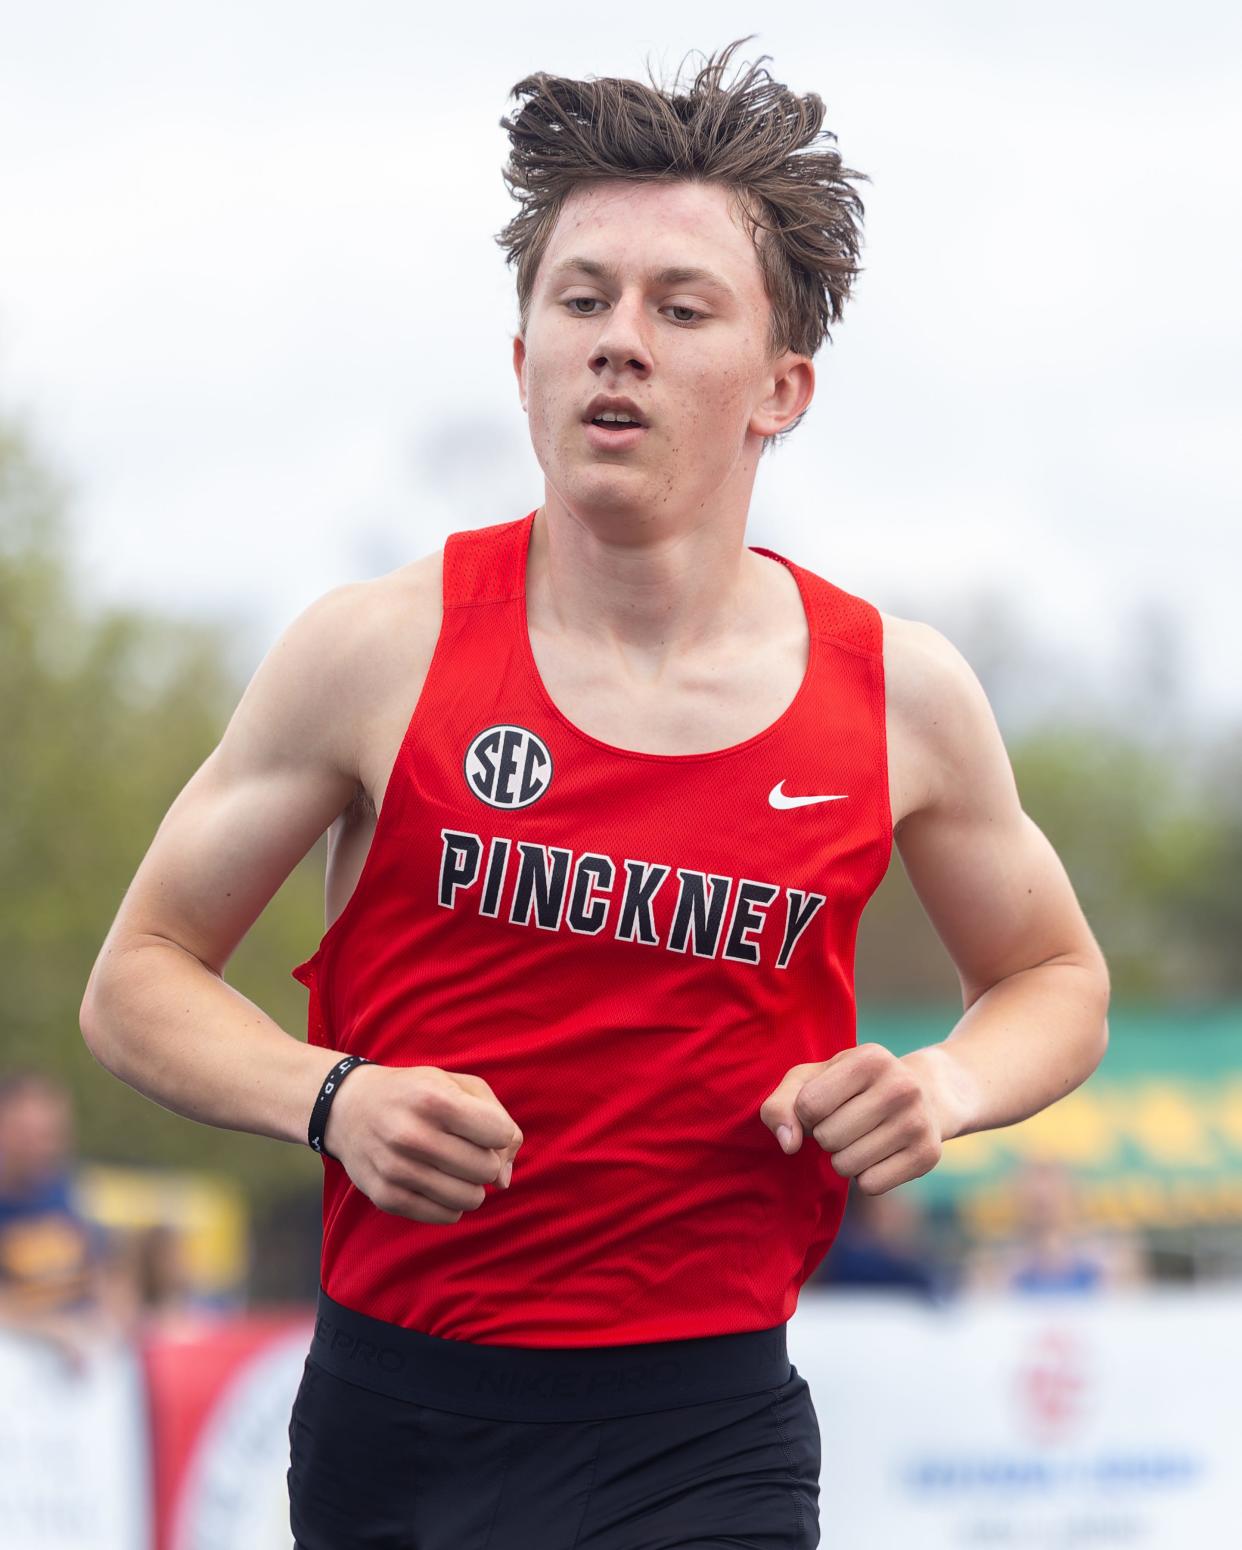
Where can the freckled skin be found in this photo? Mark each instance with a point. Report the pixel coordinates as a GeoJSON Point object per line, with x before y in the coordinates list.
{"type": "Point", "coordinates": [694, 359]}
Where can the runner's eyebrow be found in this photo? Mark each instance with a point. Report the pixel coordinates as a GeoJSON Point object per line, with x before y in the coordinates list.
{"type": "Point", "coordinates": [676, 274]}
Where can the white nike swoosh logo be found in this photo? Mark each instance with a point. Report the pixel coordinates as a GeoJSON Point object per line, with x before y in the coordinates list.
{"type": "Point", "coordinates": [778, 798]}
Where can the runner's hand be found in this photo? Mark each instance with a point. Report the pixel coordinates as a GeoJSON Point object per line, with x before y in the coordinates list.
{"type": "Point", "coordinates": [421, 1142]}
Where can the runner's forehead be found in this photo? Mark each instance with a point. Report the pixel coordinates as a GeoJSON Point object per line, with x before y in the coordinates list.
{"type": "Point", "coordinates": [668, 274]}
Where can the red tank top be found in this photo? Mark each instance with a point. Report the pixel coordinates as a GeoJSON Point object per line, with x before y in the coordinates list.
{"type": "Point", "coordinates": [632, 949]}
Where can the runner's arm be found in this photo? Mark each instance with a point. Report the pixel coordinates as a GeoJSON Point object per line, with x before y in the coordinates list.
{"type": "Point", "coordinates": [1035, 986]}
{"type": "Point", "coordinates": [157, 1012]}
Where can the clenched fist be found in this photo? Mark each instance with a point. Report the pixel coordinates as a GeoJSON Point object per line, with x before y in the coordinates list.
{"type": "Point", "coordinates": [422, 1142]}
{"type": "Point", "coordinates": [879, 1114]}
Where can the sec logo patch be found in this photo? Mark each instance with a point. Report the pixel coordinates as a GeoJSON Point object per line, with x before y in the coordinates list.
{"type": "Point", "coordinates": [508, 766]}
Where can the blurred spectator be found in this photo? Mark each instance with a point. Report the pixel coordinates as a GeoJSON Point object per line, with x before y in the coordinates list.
{"type": "Point", "coordinates": [168, 1298]}
{"type": "Point", "coordinates": [881, 1244]}
{"type": "Point", "coordinates": [1052, 1252]}
{"type": "Point", "coordinates": [61, 1277]}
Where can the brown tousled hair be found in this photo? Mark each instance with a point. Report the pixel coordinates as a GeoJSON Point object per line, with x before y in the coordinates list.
{"type": "Point", "coordinates": [753, 136]}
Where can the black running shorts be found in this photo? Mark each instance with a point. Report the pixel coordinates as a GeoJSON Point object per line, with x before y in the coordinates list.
{"type": "Point", "coordinates": [404, 1441]}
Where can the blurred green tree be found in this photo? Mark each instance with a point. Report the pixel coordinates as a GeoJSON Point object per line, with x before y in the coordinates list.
{"type": "Point", "coordinates": [107, 712]}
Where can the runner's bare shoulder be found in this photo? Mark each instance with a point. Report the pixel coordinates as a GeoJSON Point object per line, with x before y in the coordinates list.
{"type": "Point", "coordinates": [287, 764]}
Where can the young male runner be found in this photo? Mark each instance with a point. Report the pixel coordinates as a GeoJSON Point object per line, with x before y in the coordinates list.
{"type": "Point", "coordinates": [608, 791]}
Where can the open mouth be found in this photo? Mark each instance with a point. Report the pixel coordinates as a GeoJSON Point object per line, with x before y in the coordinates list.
{"type": "Point", "coordinates": [614, 434]}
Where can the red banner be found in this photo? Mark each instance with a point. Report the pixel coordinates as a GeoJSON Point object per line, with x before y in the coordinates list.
{"type": "Point", "coordinates": [220, 1392]}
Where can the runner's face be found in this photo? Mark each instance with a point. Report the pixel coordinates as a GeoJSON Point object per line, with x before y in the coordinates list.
{"type": "Point", "coordinates": [690, 351]}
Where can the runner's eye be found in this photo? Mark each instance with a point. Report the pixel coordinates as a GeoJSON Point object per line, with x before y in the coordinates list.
{"type": "Point", "coordinates": [573, 301]}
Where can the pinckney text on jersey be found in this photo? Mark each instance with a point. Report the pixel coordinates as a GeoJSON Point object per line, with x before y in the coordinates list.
{"type": "Point", "coordinates": [735, 918]}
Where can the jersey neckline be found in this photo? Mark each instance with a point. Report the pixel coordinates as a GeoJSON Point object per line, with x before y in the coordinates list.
{"type": "Point", "coordinates": [802, 692]}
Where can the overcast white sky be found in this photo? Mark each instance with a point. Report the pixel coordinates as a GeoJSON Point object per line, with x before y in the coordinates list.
{"type": "Point", "coordinates": [251, 302]}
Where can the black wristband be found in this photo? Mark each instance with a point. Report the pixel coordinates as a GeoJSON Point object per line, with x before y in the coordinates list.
{"type": "Point", "coordinates": [319, 1114]}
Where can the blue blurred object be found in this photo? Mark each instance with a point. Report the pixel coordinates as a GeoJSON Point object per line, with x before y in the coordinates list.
{"type": "Point", "coordinates": [48, 1248]}
{"type": "Point", "coordinates": [1083, 1273]}
{"type": "Point", "coordinates": [880, 1245]}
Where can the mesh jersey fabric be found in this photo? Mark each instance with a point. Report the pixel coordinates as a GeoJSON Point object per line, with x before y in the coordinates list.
{"type": "Point", "coordinates": [632, 949]}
